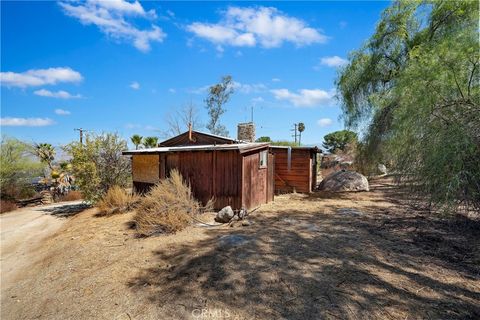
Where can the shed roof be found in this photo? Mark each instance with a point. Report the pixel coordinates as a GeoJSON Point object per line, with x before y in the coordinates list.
{"type": "Point", "coordinates": [242, 147]}
{"type": "Point", "coordinates": [314, 148]}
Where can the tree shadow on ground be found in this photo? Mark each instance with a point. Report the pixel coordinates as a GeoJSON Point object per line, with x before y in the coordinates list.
{"type": "Point", "coordinates": [65, 211]}
{"type": "Point", "coordinates": [312, 265]}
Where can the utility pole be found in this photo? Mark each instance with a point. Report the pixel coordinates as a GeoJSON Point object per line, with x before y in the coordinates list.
{"type": "Point", "coordinates": [80, 130]}
{"type": "Point", "coordinates": [295, 130]}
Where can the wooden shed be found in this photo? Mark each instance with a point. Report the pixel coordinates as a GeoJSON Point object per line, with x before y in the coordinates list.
{"type": "Point", "coordinates": [239, 175]}
{"type": "Point", "coordinates": [295, 168]}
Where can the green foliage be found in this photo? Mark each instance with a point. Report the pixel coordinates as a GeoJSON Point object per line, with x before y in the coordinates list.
{"type": "Point", "coordinates": [284, 143]}
{"type": "Point", "coordinates": [218, 96]}
{"type": "Point", "coordinates": [136, 140]}
{"type": "Point", "coordinates": [339, 140]}
{"type": "Point", "coordinates": [301, 128]}
{"type": "Point", "coordinates": [264, 139]}
{"type": "Point", "coordinates": [17, 169]}
{"type": "Point", "coordinates": [45, 152]}
{"type": "Point", "coordinates": [415, 85]}
{"type": "Point", "coordinates": [98, 164]}
{"type": "Point", "coordinates": [150, 142]}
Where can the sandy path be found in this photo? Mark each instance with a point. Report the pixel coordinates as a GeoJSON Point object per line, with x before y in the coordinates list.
{"type": "Point", "coordinates": [21, 234]}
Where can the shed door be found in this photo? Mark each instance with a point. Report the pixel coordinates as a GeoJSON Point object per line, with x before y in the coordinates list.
{"type": "Point", "coordinates": [271, 177]}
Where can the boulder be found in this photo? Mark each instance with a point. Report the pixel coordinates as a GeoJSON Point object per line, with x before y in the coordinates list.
{"type": "Point", "coordinates": [225, 215]}
{"type": "Point", "coordinates": [382, 168]}
{"type": "Point", "coordinates": [344, 181]}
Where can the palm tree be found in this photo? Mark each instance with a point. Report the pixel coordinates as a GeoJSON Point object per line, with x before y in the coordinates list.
{"type": "Point", "coordinates": [301, 128]}
{"type": "Point", "coordinates": [136, 140]}
{"type": "Point", "coordinates": [150, 142]}
{"type": "Point", "coordinates": [45, 152]}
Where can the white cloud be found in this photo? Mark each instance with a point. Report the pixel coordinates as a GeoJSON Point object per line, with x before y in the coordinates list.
{"type": "Point", "coordinates": [276, 80]}
{"type": "Point", "coordinates": [109, 17]}
{"type": "Point", "coordinates": [135, 85]}
{"type": "Point", "coordinates": [258, 99]}
{"type": "Point", "coordinates": [249, 88]}
{"type": "Point", "coordinates": [265, 26]}
{"type": "Point", "coordinates": [39, 77]}
{"type": "Point", "coordinates": [334, 61]}
{"type": "Point", "coordinates": [324, 122]}
{"type": "Point", "coordinates": [244, 88]}
{"type": "Point", "coordinates": [58, 94]}
{"type": "Point", "coordinates": [132, 126]}
{"type": "Point", "coordinates": [304, 97]}
{"type": "Point", "coordinates": [171, 90]}
{"type": "Point", "coordinates": [123, 7]}
{"type": "Point", "coordinates": [26, 122]}
{"type": "Point", "coordinates": [62, 112]}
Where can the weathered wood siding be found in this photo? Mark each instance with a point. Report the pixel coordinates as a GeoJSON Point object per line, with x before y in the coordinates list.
{"type": "Point", "coordinates": [300, 175]}
{"type": "Point", "coordinates": [254, 186]}
{"type": "Point", "coordinates": [145, 168]}
{"type": "Point", "coordinates": [230, 177]}
{"type": "Point", "coordinates": [210, 174]}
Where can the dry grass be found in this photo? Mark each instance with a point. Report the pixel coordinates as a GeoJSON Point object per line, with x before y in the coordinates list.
{"type": "Point", "coordinates": [167, 208]}
{"type": "Point", "coordinates": [116, 200]}
{"type": "Point", "coordinates": [72, 196]}
{"type": "Point", "coordinates": [6, 206]}
{"type": "Point", "coordinates": [303, 257]}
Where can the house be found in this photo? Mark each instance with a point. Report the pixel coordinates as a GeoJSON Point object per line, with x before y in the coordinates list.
{"type": "Point", "coordinates": [240, 175]}
{"type": "Point", "coordinates": [295, 168]}
{"type": "Point", "coordinates": [193, 137]}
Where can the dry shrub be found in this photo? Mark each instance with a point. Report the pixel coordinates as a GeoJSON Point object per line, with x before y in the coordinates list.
{"type": "Point", "coordinates": [168, 207]}
{"type": "Point", "coordinates": [72, 196]}
{"type": "Point", "coordinates": [116, 200]}
{"type": "Point", "coordinates": [6, 206]}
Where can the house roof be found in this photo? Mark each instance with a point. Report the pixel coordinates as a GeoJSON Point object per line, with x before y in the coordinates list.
{"type": "Point", "coordinates": [242, 147]}
{"type": "Point", "coordinates": [208, 138]}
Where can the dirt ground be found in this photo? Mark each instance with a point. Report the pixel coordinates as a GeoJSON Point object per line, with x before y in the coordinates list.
{"type": "Point", "coordinates": [321, 256]}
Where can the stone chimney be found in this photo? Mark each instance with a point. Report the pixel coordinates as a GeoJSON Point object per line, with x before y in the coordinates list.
{"type": "Point", "coordinates": [246, 132]}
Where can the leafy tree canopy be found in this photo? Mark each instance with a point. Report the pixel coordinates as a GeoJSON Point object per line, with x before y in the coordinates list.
{"type": "Point", "coordinates": [17, 168]}
{"type": "Point", "coordinates": [415, 86]}
{"type": "Point", "coordinates": [264, 139]}
{"type": "Point", "coordinates": [218, 96]}
{"type": "Point", "coordinates": [339, 140]}
{"type": "Point", "coordinates": [98, 164]}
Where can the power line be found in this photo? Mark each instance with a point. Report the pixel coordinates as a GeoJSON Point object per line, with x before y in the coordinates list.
{"type": "Point", "coordinates": [295, 130]}
{"type": "Point", "coordinates": [81, 131]}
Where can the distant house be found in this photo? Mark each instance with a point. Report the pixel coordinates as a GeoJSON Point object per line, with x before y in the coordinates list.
{"type": "Point", "coordinates": [196, 138]}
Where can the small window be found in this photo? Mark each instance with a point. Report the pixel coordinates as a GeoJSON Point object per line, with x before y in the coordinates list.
{"type": "Point", "coordinates": [263, 159]}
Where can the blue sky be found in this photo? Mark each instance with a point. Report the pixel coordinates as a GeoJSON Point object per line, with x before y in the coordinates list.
{"type": "Point", "coordinates": [125, 66]}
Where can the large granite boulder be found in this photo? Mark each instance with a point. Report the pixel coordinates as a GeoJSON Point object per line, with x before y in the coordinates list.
{"type": "Point", "coordinates": [225, 215]}
{"type": "Point", "coordinates": [344, 181]}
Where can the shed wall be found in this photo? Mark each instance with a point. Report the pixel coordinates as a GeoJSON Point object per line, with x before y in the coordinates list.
{"type": "Point", "coordinates": [210, 174]}
{"type": "Point", "coordinates": [300, 175]}
{"type": "Point", "coordinates": [254, 186]}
